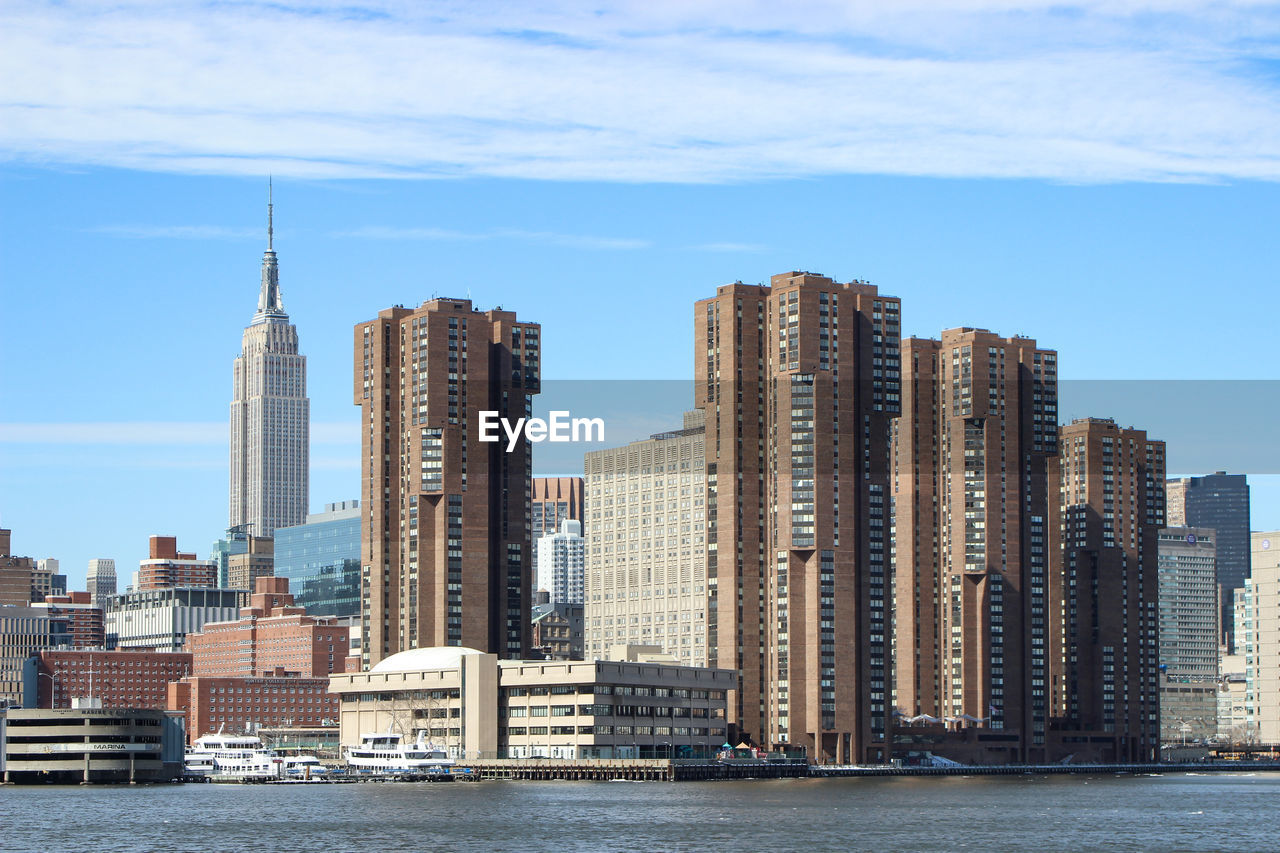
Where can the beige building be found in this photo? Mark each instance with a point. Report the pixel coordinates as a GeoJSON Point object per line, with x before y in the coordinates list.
{"type": "Point", "coordinates": [1262, 653]}
{"type": "Point", "coordinates": [646, 566]}
{"type": "Point", "coordinates": [476, 706]}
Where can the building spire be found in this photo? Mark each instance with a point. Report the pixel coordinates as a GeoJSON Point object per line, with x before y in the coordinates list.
{"type": "Point", "coordinates": [269, 304]}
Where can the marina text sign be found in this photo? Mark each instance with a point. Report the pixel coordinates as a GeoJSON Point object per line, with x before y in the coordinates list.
{"type": "Point", "coordinates": [559, 426]}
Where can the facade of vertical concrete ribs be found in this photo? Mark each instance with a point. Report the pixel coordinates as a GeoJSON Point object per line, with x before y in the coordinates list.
{"type": "Point", "coordinates": [167, 567]}
{"type": "Point", "coordinates": [445, 542]}
{"type": "Point", "coordinates": [1107, 490]}
{"type": "Point", "coordinates": [971, 516]}
{"type": "Point", "coordinates": [799, 382]}
{"type": "Point", "coordinates": [271, 635]}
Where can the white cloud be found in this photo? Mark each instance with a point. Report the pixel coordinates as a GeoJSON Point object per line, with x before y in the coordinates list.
{"type": "Point", "coordinates": [181, 232]}
{"type": "Point", "coordinates": [152, 433]}
{"type": "Point", "coordinates": [656, 91]}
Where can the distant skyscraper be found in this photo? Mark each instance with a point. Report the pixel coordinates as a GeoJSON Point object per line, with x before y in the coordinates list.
{"type": "Point", "coordinates": [1189, 632]}
{"type": "Point", "coordinates": [555, 499]}
{"type": "Point", "coordinates": [445, 550]}
{"type": "Point", "coordinates": [1262, 604]}
{"type": "Point", "coordinates": [559, 562]}
{"type": "Point", "coordinates": [270, 415]}
{"type": "Point", "coordinates": [1220, 502]}
{"type": "Point", "coordinates": [1107, 508]}
{"type": "Point", "coordinates": [971, 454]}
{"type": "Point", "coordinates": [101, 579]}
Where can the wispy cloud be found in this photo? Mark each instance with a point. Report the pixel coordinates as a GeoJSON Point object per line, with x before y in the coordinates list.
{"type": "Point", "coordinates": [189, 433]}
{"type": "Point", "coordinates": [1100, 90]}
{"type": "Point", "coordinates": [572, 241]}
{"type": "Point", "coordinates": [178, 232]}
{"type": "Point", "coordinates": [729, 247]}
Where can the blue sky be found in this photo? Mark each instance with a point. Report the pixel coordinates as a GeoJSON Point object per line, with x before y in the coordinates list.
{"type": "Point", "coordinates": [1101, 176]}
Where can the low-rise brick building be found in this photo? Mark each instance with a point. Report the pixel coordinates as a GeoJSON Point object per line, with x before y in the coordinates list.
{"type": "Point", "coordinates": [271, 635]}
{"type": "Point", "coordinates": [120, 679]}
{"type": "Point", "coordinates": [247, 704]}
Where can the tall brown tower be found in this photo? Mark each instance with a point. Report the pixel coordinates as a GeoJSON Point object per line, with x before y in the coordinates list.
{"type": "Point", "coordinates": [971, 509]}
{"type": "Point", "coordinates": [799, 382]}
{"type": "Point", "coordinates": [445, 542]}
{"type": "Point", "coordinates": [1108, 485]}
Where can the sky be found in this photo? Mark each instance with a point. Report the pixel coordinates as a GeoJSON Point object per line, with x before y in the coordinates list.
{"type": "Point", "coordinates": [1101, 176]}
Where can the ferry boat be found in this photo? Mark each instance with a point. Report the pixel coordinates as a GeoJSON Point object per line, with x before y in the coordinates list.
{"type": "Point", "coordinates": [198, 763]}
{"type": "Point", "coordinates": [238, 756]}
{"type": "Point", "coordinates": [383, 752]}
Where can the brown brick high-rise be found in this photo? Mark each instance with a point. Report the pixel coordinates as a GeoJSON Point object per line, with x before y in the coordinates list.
{"type": "Point", "coordinates": [971, 519]}
{"type": "Point", "coordinates": [799, 381]}
{"type": "Point", "coordinates": [445, 543]}
{"type": "Point", "coordinates": [1108, 485]}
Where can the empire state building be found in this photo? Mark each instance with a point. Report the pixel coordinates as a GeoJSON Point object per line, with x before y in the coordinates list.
{"type": "Point", "coordinates": [270, 415]}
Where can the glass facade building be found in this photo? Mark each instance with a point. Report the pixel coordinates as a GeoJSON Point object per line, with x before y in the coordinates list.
{"type": "Point", "coordinates": [321, 559]}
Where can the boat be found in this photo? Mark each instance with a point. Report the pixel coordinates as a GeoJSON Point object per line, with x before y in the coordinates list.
{"type": "Point", "coordinates": [198, 763]}
{"type": "Point", "coordinates": [235, 756]}
{"type": "Point", "coordinates": [384, 752]}
{"type": "Point", "coordinates": [306, 766]}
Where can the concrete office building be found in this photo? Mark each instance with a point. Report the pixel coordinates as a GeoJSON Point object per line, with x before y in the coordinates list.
{"type": "Point", "coordinates": [555, 500]}
{"type": "Point", "coordinates": [271, 635]}
{"type": "Point", "coordinates": [446, 546]}
{"type": "Point", "coordinates": [100, 579]}
{"type": "Point", "coordinates": [971, 501]}
{"type": "Point", "coordinates": [23, 631]}
{"type": "Point", "coordinates": [1262, 656]}
{"type": "Point", "coordinates": [1108, 509]}
{"type": "Point", "coordinates": [799, 381]}
{"type": "Point", "coordinates": [321, 561]}
{"type": "Point", "coordinates": [1189, 614]}
{"type": "Point", "coordinates": [47, 580]}
{"type": "Point", "coordinates": [646, 552]}
{"type": "Point", "coordinates": [1219, 502]}
{"type": "Point", "coordinates": [560, 563]}
{"type": "Point", "coordinates": [270, 415]}
{"type": "Point", "coordinates": [160, 619]}
{"type": "Point", "coordinates": [477, 706]}
{"type": "Point", "coordinates": [166, 567]}
{"type": "Point", "coordinates": [115, 679]}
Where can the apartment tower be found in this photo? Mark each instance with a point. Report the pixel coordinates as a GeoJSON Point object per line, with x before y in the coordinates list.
{"type": "Point", "coordinates": [1108, 510]}
{"type": "Point", "coordinates": [555, 500]}
{"type": "Point", "coordinates": [799, 381]}
{"type": "Point", "coordinates": [270, 415]}
{"type": "Point", "coordinates": [445, 540]}
{"type": "Point", "coordinates": [971, 519]}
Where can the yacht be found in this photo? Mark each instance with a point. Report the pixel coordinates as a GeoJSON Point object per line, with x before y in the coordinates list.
{"type": "Point", "coordinates": [383, 752]}
{"type": "Point", "coordinates": [239, 756]}
{"type": "Point", "coordinates": [306, 766]}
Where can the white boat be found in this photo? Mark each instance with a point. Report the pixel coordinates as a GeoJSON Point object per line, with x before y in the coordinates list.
{"type": "Point", "coordinates": [198, 762]}
{"type": "Point", "coordinates": [238, 756]}
{"type": "Point", "coordinates": [306, 766]}
{"type": "Point", "coordinates": [383, 752]}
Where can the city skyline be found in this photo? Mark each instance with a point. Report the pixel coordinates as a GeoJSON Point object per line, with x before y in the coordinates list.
{"type": "Point", "coordinates": [131, 246]}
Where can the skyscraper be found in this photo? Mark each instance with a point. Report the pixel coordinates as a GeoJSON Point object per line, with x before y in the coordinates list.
{"type": "Point", "coordinates": [270, 415]}
{"type": "Point", "coordinates": [971, 512]}
{"type": "Point", "coordinates": [799, 381]}
{"type": "Point", "coordinates": [101, 579]}
{"type": "Point", "coordinates": [1189, 632]}
{"type": "Point", "coordinates": [445, 544]}
{"type": "Point", "coordinates": [559, 562]}
{"type": "Point", "coordinates": [1107, 508]}
{"type": "Point", "coordinates": [1218, 501]}
{"type": "Point", "coordinates": [555, 499]}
